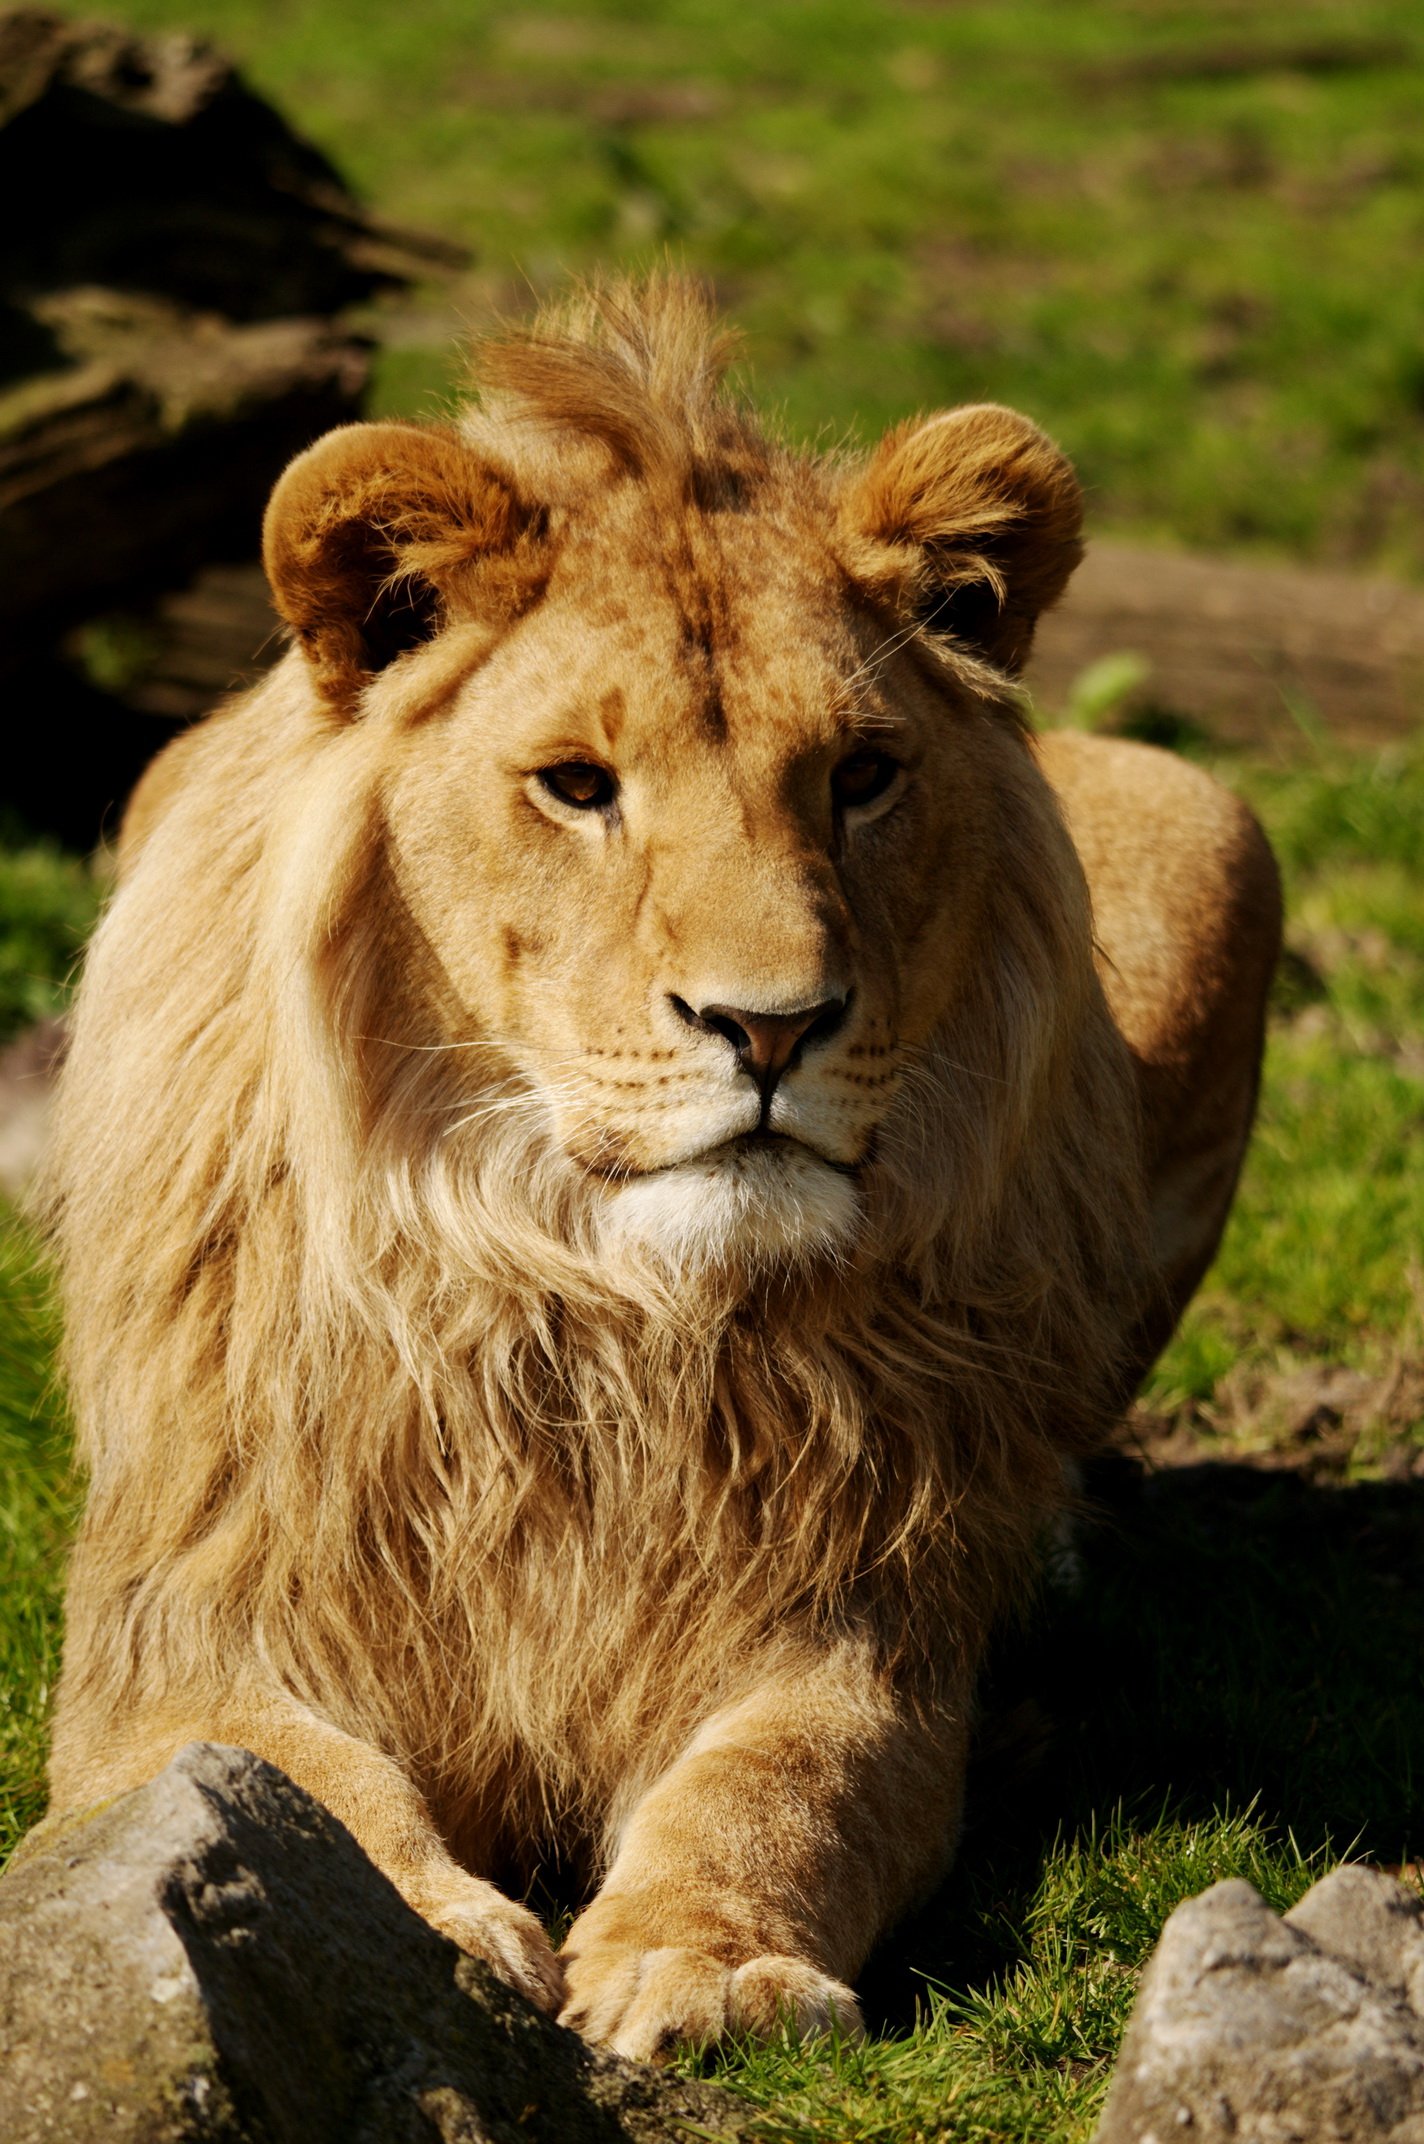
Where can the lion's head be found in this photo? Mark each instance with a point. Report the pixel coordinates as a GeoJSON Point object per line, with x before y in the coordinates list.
{"type": "Point", "coordinates": [705, 801]}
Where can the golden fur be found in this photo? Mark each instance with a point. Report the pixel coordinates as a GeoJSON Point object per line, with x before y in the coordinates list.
{"type": "Point", "coordinates": [485, 1421]}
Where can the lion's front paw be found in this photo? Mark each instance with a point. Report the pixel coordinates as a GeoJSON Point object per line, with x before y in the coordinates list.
{"type": "Point", "coordinates": [506, 1936]}
{"type": "Point", "coordinates": [645, 2003]}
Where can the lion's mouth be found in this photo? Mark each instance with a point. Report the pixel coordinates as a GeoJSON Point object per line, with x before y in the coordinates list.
{"type": "Point", "coordinates": [757, 1150]}
{"type": "Point", "coordinates": [752, 1146]}
{"type": "Point", "coordinates": [757, 1200]}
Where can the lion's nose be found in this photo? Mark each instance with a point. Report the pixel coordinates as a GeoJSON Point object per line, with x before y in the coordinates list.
{"type": "Point", "coordinates": [765, 1042]}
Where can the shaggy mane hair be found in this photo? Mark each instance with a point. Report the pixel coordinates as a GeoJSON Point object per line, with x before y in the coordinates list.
{"type": "Point", "coordinates": [366, 1407]}
{"type": "Point", "coordinates": [640, 371]}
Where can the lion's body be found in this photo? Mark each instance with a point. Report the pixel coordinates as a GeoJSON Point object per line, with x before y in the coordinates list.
{"type": "Point", "coordinates": [487, 1421]}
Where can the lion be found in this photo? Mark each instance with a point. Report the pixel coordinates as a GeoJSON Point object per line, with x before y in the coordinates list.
{"type": "Point", "coordinates": [625, 1124]}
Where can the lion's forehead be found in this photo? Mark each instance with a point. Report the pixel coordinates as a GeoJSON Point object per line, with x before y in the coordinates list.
{"type": "Point", "coordinates": [743, 636]}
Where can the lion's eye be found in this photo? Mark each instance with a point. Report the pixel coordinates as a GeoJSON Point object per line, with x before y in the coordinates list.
{"type": "Point", "coordinates": [580, 783]}
{"type": "Point", "coordinates": [863, 777]}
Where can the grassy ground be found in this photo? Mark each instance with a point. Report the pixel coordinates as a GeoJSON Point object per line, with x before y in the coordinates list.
{"type": "Point", "coordinates": [48, 901]}
{"type": "Point", "coordinates": [1322, 1259]}
{"type": "Point", "coordinates": [1185, 236]}
{"type": "Point", "coordinates": [37, 1505]}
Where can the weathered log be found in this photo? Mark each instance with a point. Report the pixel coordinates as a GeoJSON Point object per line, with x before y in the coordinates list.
{"type": "Point", "coordinates": [154, 449]}
{"type": "Point", "coordinates": [146, 163]}
{"type": "Point", "coordinates": [169, 256]}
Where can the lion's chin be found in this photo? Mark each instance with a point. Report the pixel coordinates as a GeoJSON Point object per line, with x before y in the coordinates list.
{"type": "Point", "coordinates": [747, 1206]}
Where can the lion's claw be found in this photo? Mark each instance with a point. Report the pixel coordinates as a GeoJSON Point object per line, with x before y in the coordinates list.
{"type": "Point", "coordinates": [647, 2003]}
{"type": "Point", "coordinates": [505, 1935]}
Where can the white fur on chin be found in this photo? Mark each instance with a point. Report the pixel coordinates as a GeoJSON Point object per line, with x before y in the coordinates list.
{"type": "Point", "coordinates": [739, 1205]}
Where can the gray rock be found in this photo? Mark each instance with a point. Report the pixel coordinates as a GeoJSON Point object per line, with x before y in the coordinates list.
{"type": "Point", "coordinates": [1373, 1923]}
{"type": "Point", "coordinates": [1294, 2031]}
{"type": "Point", "coordinates": [213, 1958]}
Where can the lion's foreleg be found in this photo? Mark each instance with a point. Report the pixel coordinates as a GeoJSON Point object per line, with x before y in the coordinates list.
{"type": "Point", "coordinates": [364, 1789]}
{"type": "Point", "coordinates": [752, 1878]}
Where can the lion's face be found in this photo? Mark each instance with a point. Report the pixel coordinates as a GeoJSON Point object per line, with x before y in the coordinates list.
{"type": "Point", "coordinates": [709, 882]}
{"type": "Point", "coordinates": [702, 842]}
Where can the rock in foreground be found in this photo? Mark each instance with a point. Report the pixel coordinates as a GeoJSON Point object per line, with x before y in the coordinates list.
{"type": "Point", "coordinates": [1279, 2031]}
{"type": "Point", "coordinates": [213, 1957]}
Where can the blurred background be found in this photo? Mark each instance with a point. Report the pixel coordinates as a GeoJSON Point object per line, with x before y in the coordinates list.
{"type": "Point", "coordinates": [1188, 239]}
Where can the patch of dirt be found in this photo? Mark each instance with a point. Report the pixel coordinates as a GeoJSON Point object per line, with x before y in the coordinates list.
{"type": "Point", "coordinates": [1322, 1420]}
{"type": "Point", "coordinates": [690, 101]}
{"type": "Point", "coordinates": [1235, 58]}
{"type": "Point", "coordinates": [1404, 1053]}
{"type": "Point", "coordinates": [27, 1070]}
{"type": "Point", "coordinates": [1235, 647]}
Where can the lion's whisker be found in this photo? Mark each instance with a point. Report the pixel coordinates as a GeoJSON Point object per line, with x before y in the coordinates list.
{"type": "Point", "coordinates": [509, 1105]}
{"type": "Point", "coordinates": [876, 660]}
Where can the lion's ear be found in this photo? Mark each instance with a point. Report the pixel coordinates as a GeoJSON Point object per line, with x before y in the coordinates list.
{"type": "Point", "coordinates": [370, 532]}
{"type": "Point", "coordinates": [971, 518]}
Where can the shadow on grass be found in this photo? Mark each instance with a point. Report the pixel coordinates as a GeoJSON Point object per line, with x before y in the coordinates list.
{"type": "Point", "coordinates": [1238, 1637]}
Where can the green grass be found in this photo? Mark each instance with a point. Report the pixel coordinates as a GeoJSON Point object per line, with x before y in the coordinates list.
{"type": "Point", "coordinates": [37, 1507]}
{"type": "Point", "coordinates": [1176, 233]}
{"type": "Point", "coordinates": [1324, 1255]}
{"type": "Point", "coordinates": [48, 903]}
{"type": "Point", "coordinates": [1026, 2053]}
{"type": "Point", "coordinates": [1191, 251]}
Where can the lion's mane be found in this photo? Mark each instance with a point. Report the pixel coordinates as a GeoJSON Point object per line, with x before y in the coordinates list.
{"type": "Point", "coordinates": [363, 1401]}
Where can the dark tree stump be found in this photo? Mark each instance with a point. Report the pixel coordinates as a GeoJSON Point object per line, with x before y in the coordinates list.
{"type": "Point", "coordinates": [171, 259]}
